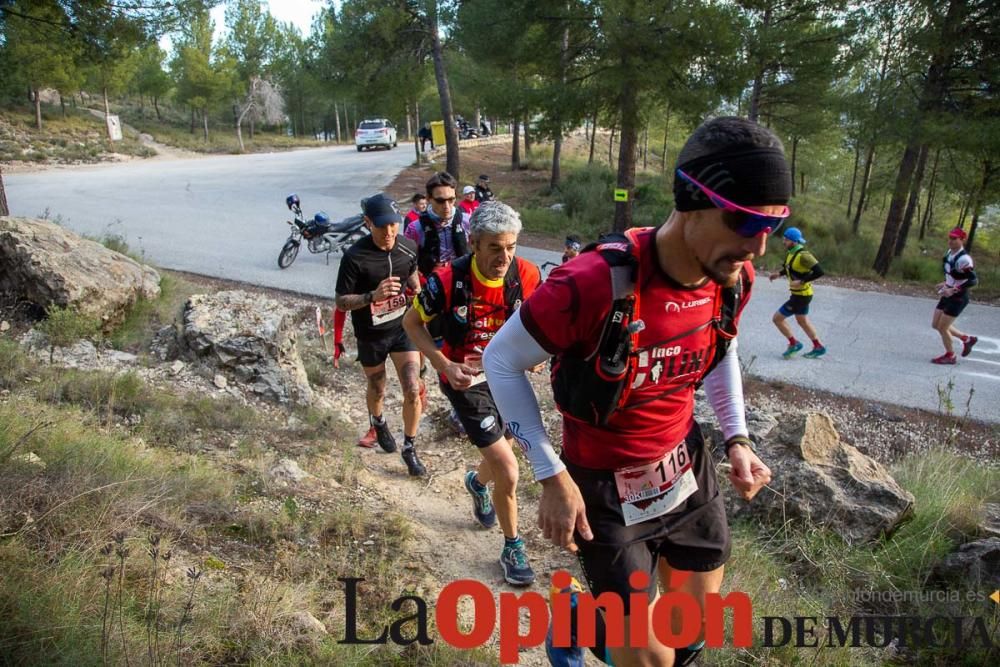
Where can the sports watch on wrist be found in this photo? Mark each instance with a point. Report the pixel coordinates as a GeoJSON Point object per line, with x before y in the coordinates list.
{"type": "Point", "coordinates": [740, 440]}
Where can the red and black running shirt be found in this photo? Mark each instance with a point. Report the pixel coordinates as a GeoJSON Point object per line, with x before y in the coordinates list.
{"type": "Point", "coordinates": [567, 313]}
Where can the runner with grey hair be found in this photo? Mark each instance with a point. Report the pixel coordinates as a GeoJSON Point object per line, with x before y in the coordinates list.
{"type": "Point", "coordinates": [471, 297]}
{"type": "Point", "coordinates": [494, 217]}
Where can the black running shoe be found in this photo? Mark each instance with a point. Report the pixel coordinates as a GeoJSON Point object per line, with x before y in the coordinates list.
{"type": "Point", "coordinates": [384, 435]}
{"type": "Point", "coordinates": [413, 464]}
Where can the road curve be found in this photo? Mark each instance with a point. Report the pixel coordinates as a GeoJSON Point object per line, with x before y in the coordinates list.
{"type": "Point", "coordinates": [224, 216]}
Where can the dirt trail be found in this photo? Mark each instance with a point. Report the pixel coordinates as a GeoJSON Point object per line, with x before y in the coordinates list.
{"type": "Point", "coordinates": [448, 544]}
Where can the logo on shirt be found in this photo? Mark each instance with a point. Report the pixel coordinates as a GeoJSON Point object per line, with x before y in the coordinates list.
{"type": "Point", "coordinates": [675, 307]}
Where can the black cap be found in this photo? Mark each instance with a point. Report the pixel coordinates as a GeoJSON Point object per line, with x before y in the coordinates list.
{"type": "Point", "coordinates": [484, 177]}
{"type": "Point", "coordinates": [382, 211]}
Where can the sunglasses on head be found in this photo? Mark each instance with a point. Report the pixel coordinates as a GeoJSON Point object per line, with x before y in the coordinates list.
{"type": "Point", "coordinates": [444, 200]}
{"type": "Point", "coordinates": [744, 221]}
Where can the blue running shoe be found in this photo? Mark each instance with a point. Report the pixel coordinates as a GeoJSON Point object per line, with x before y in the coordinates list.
{"type": "Point", "coordinates": [815, 353]}
{"type": "Point", "coordinates": [791, 350]}
{"type": "Point", "coordinates": [482, 504]}
{"type": "Point", "coordinates": [565, 656]}
{"type": "Point", "coordinates": [514, 561]}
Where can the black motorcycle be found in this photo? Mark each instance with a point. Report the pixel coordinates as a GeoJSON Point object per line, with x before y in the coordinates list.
{"type": "Point", "coordinates": [320, 234]}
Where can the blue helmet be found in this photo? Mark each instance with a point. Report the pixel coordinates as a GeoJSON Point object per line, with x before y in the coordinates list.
{"type": "Point", "coordinates": [321, 218]}
{"type": "Point", "coordinates": [292, 200]}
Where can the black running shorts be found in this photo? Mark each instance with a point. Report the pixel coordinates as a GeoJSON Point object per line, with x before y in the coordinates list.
{"type": "Point", "coordinates": [797, 304]}
{"type": "Point", "coordinates": [372, 353]}
{"type": "Point", "coordinates": [478, 412]}
{"type": "Point", "coordinates": [953, 305]}
{"type": "Point", "coordinates": [693, 537]}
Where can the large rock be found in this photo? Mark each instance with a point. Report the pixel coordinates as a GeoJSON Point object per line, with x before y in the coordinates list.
{"type": "Point", "coordinates": [821, 480]}
{"type": "Point", "coordinates": [249, 337]}
{"type": "Point", "coordinates": [975, 564]}
{"type": "Point", "coordinates": [45, 264]}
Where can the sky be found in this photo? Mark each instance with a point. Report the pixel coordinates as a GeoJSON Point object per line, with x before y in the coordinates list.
{"type": "Point", "coordinates": [298, 12]}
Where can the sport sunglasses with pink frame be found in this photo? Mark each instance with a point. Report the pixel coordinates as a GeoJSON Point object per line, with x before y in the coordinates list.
{"type": "Point", "coordinates": [749, 223]}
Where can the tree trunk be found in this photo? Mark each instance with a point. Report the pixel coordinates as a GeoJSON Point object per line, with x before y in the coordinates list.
{"type": "Point", "coordinates": [795, 151]}
{"type": "Point", "coordinates": [666, 125]}
{"type": "Point", "coordinates": [4, 210]}
{"type": "Point", "coordinates": [107, 112]}
{"type": "Point", "coordinates": [336, 117]}
{"type": "Point", "coordinates": [611, 143]}
{"type": "Point", "coordinates": [192, 120]}
{"type": "Point", "coordinates": [757, 92]}
{"type": "Point", "coordinates": [863, 190]}
{"type": "Point", "coordinates": [37, 99]}
{"type": "Point", "coordinates": [452, 163]}
{"type": "Point", "coordinates": [908, 163]}
{"type": "Point", "coordinates": [156, 105]}
{"type": "Point", "coordinates": [930, 99]}
{"type": "Point", "coordinates": [527, 136]}
{"type": "Point", "coordinates": [62, 103]}
{"type": "Point", "coordinates": [409, 123]}
{"type": "Point", "coordinates": [626, 155]}
{"type": "Point", "coordinates": [928, 207]}
{"type": "Point", "coordinates": [645, 146]}
{"type": "Point", "coordinates": [204, 121]}
{"type": "Point", "coordinates": [854, 177]}
{"type": "Point", "coordinates": [477, 118]}
{"type": "Point", "coordinates": [593, 137]}
{"type": "Point", "coordinates": [557, 145]}
{"type": "Point", "coordinates": [252, 125]}
{"type": "Point", "coordinates": [911, 205]}
{"type": "Point", "coordinates": [515, 152]}
{"type": "Point", "coordinates": [988, 173]}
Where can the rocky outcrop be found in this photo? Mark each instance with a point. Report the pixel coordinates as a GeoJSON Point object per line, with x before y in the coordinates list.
{"type": "Point", "coordinates": [975, 565]}
{"type": "Point", "coordinates": [249, 337]}
{"type": "Point", "coordinates": [821, 480]}
{"type": "Point", "coordinates": [45, 264]}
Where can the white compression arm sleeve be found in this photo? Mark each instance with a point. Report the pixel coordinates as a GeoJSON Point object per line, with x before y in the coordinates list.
{"type": "Point", "coordinates": [507, 357]}
{"type": "Point", "coordinates": [724, 388]}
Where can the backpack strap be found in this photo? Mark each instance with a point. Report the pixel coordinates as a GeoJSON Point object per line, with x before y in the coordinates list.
{"type": "Point", "coordinates": [513, 293]}
{"type": "Point", "coordinates": [731, 299]}
{"type": "Point", "coordinates": [620, 333]}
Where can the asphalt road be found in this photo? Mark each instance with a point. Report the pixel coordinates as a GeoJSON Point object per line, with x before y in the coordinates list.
{"type": "Point", "coordinates": [225, 217]}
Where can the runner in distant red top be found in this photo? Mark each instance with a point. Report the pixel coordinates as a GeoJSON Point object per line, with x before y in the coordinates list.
{"type": "Point", "coordinates": [638, 492]}
{"type": "Point", "coordinates": [469, 204]}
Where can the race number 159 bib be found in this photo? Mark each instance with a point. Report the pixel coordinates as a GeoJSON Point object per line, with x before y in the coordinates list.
{"type": "Point", "coordinates": [650, 490]}
{"type": "Point", "coordinates": [388, 310]}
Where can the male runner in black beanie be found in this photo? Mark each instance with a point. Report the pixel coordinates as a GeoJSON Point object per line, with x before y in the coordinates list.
{"type": "Point", "coordinates": [637, 493]}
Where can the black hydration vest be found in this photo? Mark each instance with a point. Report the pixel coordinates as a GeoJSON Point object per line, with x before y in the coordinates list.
{"type": "Point", "coordinates": [456, 324]}
{"type": "Point", "coordinates": [969, 276]}
{"type": "Point", "coordinates": [429, 254]}
{"type": "Point", "coordinates": [594, 387]}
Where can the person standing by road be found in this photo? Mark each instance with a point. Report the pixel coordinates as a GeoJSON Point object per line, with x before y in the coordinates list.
{"type": "Point", "coordinates": [483, 192]}
{"type": "Point", "coordinates": [802, 268]}
{"type": "Point", "coordinates": [375, 274]}
{"type": "Point", "coordinates": [627, 365]}
{"type": "Point", "coordinates": [959, 276]}
{"type": "Point", "coordinates": [472, 297]}
{"type": "Point", "coordinates": [425, 135]}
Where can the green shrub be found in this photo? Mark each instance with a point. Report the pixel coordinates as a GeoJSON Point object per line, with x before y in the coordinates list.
{"type": "Point", "coordinates": [65, 326]}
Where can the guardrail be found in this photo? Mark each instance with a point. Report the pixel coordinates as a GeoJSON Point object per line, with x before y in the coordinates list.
{"type": "Point", "coordinates": [439, 150]}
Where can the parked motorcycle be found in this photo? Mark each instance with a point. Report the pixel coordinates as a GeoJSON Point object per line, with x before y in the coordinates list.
{"type": "Point", "coordinates": [320, 234]}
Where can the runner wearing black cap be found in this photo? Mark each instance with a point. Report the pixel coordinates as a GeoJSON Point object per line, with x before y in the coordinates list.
{"type": "Point", "coordinates": [376, 274]}
{"type": "Point", "coordinates": [636, 325]}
